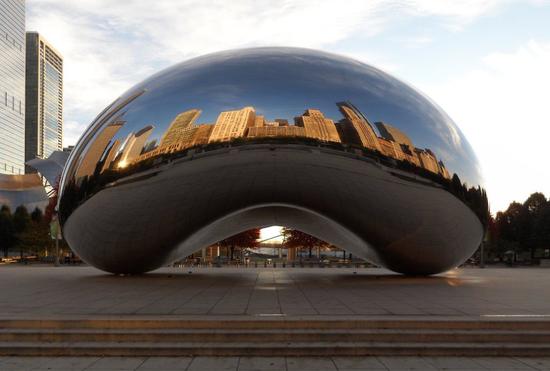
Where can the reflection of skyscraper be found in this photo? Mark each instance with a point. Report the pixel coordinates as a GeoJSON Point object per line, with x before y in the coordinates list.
{"type": "Point", "coordinates": [180, 129]}
{"type": "Point", "coordinates": [391, 149]}
{"type": "Point", "coordinates": [201, 135]}
{"type": "Point", "coordinates": [391, 133]}
{"type": "Point", "coordinates": [276, 131]}
{"type": "Point", "coordinates": [232, 124]}
{"type": "Point", "coordinates": [195, 136]}
{"type": "Point", "coordinates": [427, 160]}
{"type": "Point", "coordinates": [110, 157]}
{"type": "Point", "coordinates": [317, 126]}
{"type": "Point", "coordinates": [99, 145]}
{"type": "Point", "coordinates": [443, 170]}
{"type": "Point", "coordinates": [134, 145]}
{"type": "Point", "coordinates": [259, 121]}
{"type": "Point", "coordinates": [409, 154]}
{"type": "Point", "coordinates": [355, 128]}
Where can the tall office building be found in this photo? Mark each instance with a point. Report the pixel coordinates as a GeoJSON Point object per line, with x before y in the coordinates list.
{"type": "Point", "coordinates": [233, 124]}
{"type": "Point", "coordinates": [317, 126]}
{"type": "Point", "coordinates": [12, 86]}
{"type": "Point", "coordinates": [44, 98]}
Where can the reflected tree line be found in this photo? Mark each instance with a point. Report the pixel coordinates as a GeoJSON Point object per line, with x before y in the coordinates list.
{"type": "Point", "coordinates": [108, 158]}
{"type": "Point", "coordinates": [25, 234]}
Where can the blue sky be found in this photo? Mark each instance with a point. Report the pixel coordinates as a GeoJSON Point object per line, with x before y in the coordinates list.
{"type": "Point", "coordinates": [485, 62]}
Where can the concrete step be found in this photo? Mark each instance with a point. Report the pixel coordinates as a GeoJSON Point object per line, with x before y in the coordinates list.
{"type": "Point", "coordinates": [274, 335]}
{"type": "Point", "coordinates": [298, 323]}
{"type": "Point", "coordinates": [270, 349]}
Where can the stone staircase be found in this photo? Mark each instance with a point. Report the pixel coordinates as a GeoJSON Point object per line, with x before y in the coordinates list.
{"type": "Point", "coordinates": [274, 337]}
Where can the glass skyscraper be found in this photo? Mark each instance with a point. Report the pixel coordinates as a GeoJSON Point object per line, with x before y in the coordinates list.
{"type": "Point", "coordinates": [12, 86]}
{"type": "Point", "coordinates": [44, 97]}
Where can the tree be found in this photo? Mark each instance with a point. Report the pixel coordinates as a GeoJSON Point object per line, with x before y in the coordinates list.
{"type": "Point", "coordinates": [535, 203]}
{"type": "Point", "coordinates": [523, 226]}
{"type": "Point", "coordinates": [247, 238]}
{"type": "Point", "coordinates": [21, 219]}
{"type": "Point", "coordinates": [542, 227]}
{"type": "Point", "coordinates": [7, 230]}
{"type": "Point", "coordinates": [534, 208]}
{"type": "Point", "coordinates": [298, 239]}
{"type": "Point", "coordinates": [36, 237]}
{"type": "Point", "coordinates": [36, 215]}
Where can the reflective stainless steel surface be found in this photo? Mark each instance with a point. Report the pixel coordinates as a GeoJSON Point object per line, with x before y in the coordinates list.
{"type": "Point", "coordinates": [23, 190]}
{"type": "Point", "coordinates": [273, 136]}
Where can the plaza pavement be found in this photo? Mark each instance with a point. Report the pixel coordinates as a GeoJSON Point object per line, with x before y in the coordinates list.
{"type": "Point", "coordinates": [35, 292]}
{"type": "Point", "coordinates": [271, 363]}
{"type": "Point", "coordinates": [45, 291]}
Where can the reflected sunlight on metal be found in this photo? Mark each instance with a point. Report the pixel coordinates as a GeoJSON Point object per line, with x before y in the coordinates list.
{"type": "Point", "coordinates": [273, 136]}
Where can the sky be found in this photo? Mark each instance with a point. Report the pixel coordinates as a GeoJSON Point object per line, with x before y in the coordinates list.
{"type": "Point", "coordinates": [485, 62]}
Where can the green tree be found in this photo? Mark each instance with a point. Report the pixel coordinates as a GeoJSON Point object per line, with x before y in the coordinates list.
{"type": "Point", "coordinates": [21, 219]}
{"type": "Point", "coordinates": [542, 227]}
{"type": "Point", "coordinates": [523, 226]}
{"type": "Point", "coordinates": [534, 208]}
{"type": "Point", "coordinates": [37, 215]}
{"type": "Point", "coordinates": [7, 230]}
{"type": "Point", "coordinates": [36, 238]}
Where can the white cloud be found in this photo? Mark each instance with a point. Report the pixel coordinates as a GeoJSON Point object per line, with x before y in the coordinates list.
{"type": "Point", "coordinates": [110, 45]}
{"type": "Point", "coordinates": [463, 9]}
{"type": "Point", "coordinates": [503, 109]}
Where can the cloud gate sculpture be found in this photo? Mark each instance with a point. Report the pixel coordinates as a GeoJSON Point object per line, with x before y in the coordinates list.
{"type": "Point", "coordinates": [273, 136]}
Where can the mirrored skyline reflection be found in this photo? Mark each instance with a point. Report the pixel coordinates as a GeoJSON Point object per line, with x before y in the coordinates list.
{"type": "Point", "coordinates": [353, 129]}
{"type": "Point", "coordinates": [352, 132]}
{"type": "Point", "coordinates": [284, 84]}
